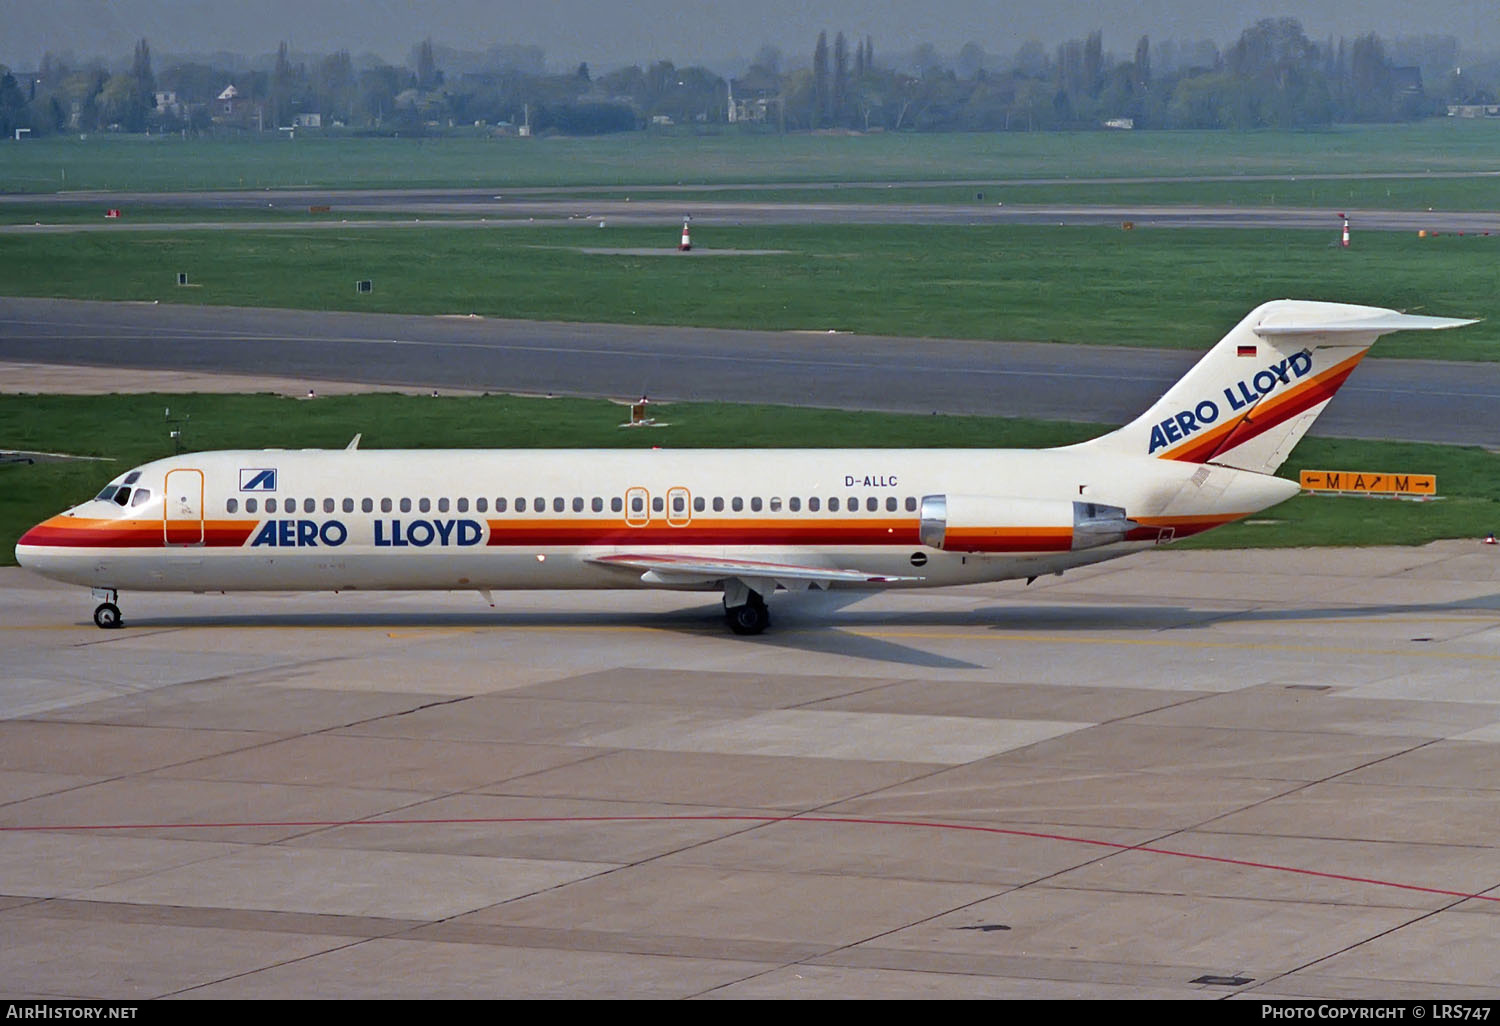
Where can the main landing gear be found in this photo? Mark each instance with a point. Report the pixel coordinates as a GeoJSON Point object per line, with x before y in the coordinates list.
{"type": "Point", "coordinates": [107, 614]}
{"type": "Point", "coordinates": [750, 618]}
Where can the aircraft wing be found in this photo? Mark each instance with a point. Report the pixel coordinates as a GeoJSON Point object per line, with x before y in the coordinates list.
{"type": "Point", "coordinates": [665, 568]}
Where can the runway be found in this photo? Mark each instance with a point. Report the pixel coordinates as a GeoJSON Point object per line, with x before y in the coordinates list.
{"type": "Point", "coordinates": [1182, 775]}
{"type": "Point", "coordinates": [1450, 402]}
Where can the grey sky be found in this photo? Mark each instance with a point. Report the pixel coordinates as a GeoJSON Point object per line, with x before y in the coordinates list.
{"type": "Point", "coordinates": [609, 34]}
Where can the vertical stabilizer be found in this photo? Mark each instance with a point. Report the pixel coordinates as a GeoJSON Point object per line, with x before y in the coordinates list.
{"type": "Point", "coordinates": [1255, 394]}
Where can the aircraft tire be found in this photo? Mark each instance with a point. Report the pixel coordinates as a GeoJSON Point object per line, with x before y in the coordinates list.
{"type": "Point", "coordinates": [107, 616]}
{"type": "Point", "coordinates": [751, 618]}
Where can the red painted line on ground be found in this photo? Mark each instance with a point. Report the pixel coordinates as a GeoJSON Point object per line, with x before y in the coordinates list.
{"type": "Point", "coordinates": [834, 820]}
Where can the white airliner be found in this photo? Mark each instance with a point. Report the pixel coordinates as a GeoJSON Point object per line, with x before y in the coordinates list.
{"type": "Point", "coordinates": [744, 522]}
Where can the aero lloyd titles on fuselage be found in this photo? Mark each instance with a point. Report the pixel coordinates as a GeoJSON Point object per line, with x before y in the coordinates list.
{"type": "Point", "coordinates": [1236, 397]}
{"type": "Point", "coordinates": [388, 533]}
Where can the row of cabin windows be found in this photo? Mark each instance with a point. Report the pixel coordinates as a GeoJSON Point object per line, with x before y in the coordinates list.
{"type": "Point", "coordinates": [577, 504]}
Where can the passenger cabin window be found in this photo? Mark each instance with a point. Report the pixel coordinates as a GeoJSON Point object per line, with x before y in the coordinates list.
{"type": "Point", "coordinates": [872, 504]}
{"type": "Point", "coordinates": [463, 505]}
{"type": "Point", "coordinates": [833, 505]}
{"type": "Point", "coordinates": [540, 505]}
{"type": "Point", "coordinates": [699, 505]}
{"type": "Point", "coordinates": [577, 504]}
{"type": "Point", "coordinates": [385, 505]}
{"type": "Point", "coordinates": [814, 504]}
{"type": "Point", "coordinates": [890, 504]}
{"type": "Point", "coordinates": [616, 504]}
{"type": "Point", "coordinates": [559, 504]}
{"type": "Point", "coordinates": [231, 505]}
{"type": "Point", "coordinates": [520, 504]}
{"type": "Point", "coordinates": [311, 506]}
{"type": "Point", "coordinates": [348, 505]}
{"type": "Point", "coordinates": [270, 505]}
{"type": "Point", "coordinates": [657, 505]}
{"type": "Point", "coordinates": [718, 503]}
{"type": "Point", "coordinates": [367, 505]}
{"type": "Point", "coordinates": [911, 504]}
{"type": "Point", "coordinates": [597, 505]}
{"type": "Point", "coordinates": [776, 504]}
{"type": "Point", "coordinates": [250, 505]}
{"type": "Point", "coordinates": [424, 505]}
{"type": "Point", "coordinates": [755, 504]}
{"type": "Point", "coordinates": [405, 505]}
{"type": "Point", "coordinates": [637, 504]}
{"type": "Point", "coordinates": [737, 504]}
{"type": "Point", "coordinates": [443, 505]}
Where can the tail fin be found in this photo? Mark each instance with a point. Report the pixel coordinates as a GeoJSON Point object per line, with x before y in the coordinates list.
{"type": "Point", "coordinates": [1253, 396]}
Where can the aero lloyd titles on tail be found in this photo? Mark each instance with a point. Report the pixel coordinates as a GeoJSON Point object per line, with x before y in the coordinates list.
{"type": "Point", "coordinates": [743, 523]}
{"type": "Point", "coordinates": [1240, 396]}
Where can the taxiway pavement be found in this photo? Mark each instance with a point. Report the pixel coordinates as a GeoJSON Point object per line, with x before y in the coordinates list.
{"type": "Point", "coordinates": [1414, 400]}
{"type": "Point", "coordinates": [1250, 774]}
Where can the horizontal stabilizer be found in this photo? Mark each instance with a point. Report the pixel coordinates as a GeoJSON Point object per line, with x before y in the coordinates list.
{"type": "Point", "coordinates": [1382, 323]}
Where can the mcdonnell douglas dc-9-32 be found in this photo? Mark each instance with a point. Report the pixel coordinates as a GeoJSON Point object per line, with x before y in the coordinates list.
{"type": "Point", "coordinates": [746, 523]}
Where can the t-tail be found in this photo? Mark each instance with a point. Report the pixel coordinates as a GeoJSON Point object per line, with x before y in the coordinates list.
{"type": "Point", "coordinates": [1254, 395]}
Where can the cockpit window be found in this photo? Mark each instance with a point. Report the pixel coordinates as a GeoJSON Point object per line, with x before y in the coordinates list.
{"type": "Point", "coordinates": [122, 497]}
{"type": "Point", "coordinates": [141, 497]}
{"type": "Point", "coordinates": [132, 477]}
{"type": "Point", "coordinates": [108, 493]}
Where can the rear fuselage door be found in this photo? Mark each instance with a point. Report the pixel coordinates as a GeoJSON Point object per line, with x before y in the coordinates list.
{"type": "Point", "coordinates": [182, 508]}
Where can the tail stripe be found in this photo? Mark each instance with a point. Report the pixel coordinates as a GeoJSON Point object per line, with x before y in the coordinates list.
{"type": "Point", "coordinates": [1265, 415]}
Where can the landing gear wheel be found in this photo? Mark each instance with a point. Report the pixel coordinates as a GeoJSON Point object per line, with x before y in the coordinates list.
{"type": "Point", "coordinates": [107, 615]}
{"type": "Point", "coordinates": [751, 618]}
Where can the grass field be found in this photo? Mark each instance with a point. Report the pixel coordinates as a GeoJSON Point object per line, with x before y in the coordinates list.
{"type": "Point", "coordinates": [169, 163]}
{"type": "Point", "coordinates": [1096, 285]}
{"type": "Point", "coordinates": [129, 430]}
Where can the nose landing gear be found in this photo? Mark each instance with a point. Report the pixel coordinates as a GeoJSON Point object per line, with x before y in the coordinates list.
{"type": "Point", "coordinates": [107, 614]}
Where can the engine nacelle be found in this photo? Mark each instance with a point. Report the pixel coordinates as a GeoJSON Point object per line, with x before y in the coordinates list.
{"type": "Point", "coordinates": [980, 523]}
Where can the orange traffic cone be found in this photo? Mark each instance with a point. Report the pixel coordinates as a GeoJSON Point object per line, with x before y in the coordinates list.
{"type": "Point", "coordinates": [687, 242]}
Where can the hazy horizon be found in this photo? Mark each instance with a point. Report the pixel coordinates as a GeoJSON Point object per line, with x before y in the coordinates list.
{"type": "Point", "coordinates": [607, 35]}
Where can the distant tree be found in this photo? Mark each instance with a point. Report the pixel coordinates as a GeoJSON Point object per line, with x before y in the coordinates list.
{"type": "Point", "coordinates": [13, 112]}
{"type": "Point", "coordinates": [334, 87]}
{"type": "Point", "coordinates": [582, 74]}
{"type": "Point", "coordinates": [821, 87]}
{"type": "Point", "coordinates": [281, 88]}
{"type": "Point", "coordinates": [971, 60]}
{"type": "Point", "coordinates": [1372, 81]}
{"type": "Point", "coordinates": [428, 75]}
{"type": "Point", "coordinates": [839, 99]}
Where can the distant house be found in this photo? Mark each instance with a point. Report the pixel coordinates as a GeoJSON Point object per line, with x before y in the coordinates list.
{"type": "Point", "coordinates": [1474, 110]}
{"type": "Point", "coordinates": [167, 103]}
{"type": "Point", "coordinates": [232, 109]}
{"type": "Point", "coordinates": [307, 121]}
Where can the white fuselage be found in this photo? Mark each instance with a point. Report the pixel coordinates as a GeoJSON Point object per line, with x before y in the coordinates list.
{"type": "Point", "coordinates": [502, 519]}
